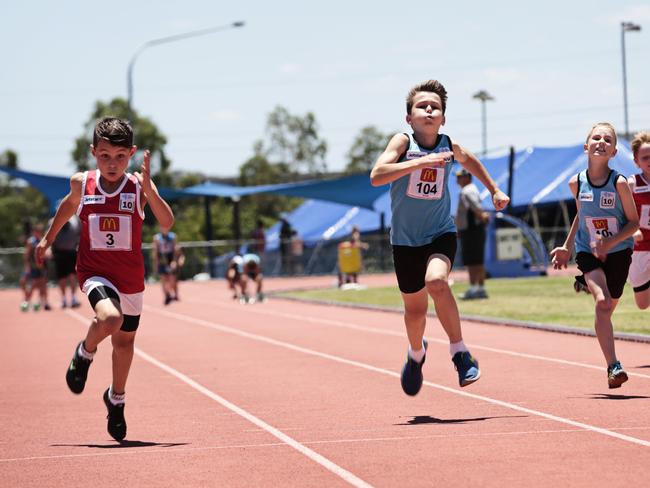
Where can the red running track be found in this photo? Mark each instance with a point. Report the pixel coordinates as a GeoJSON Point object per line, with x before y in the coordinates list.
{"type": "Point", "coordinates": [291, 394]}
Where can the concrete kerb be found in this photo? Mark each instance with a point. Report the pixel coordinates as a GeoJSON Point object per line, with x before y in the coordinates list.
{"type": "Point", "coordinates": [561, 329]}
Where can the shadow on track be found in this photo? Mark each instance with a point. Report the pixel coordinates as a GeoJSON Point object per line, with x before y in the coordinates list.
{"type": "Point", "coordinates": [427, 419]}
{"type": "Point", "coordinates": [609, 396]}
{"type": "Point", "coordinates": [124, 444]}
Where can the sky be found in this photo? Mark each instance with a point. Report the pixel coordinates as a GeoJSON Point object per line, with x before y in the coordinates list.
{"type": "Point", "coordinates": [554, 69]}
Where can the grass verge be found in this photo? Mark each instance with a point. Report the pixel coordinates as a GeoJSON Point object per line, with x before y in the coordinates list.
{"type": "Point", "coordinates": [544, 299]}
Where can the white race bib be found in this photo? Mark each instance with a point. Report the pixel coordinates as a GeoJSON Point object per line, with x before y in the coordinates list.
{"type": "Point", "coordinates": [427, 183]}
{"type": "Point", "coordinates": [601, 226]}
{"type": "Point", "coordinates": [644, 218]}
{"type": "Point", "coordinates": [109, 232]}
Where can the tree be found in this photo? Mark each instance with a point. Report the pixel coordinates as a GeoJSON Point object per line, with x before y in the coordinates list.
{"type": "Point", "coordinates": [147, 136]}
{"type": "Point", "coordinates": [294, 141]}
{"type": "Point", "coordinates": [9, 158]}
{"type": "Point", "coordinates": [366, 148]}
{"type": "Point", "coordinates": [258, 170]}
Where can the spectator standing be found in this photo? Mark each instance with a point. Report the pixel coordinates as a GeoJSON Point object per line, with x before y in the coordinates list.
{"type": "Point", "coordinates": [285, 244]}
{"type": "Point", "coordinates": [471, 221]}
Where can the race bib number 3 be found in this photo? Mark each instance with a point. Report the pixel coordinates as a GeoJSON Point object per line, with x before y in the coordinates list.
{"type": "Point", "coordinates": [601, 227]}
{"type": "Point", "coordinates": [427, 184]}
{"type": "Point", "coordinates": [109, 232]}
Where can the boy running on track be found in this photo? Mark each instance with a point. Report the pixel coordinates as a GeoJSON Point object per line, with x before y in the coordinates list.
{"type": "Point", "coordinates": [640, 185]}
{"type": "Point", "coordinates": [110, 265]}
{"type": "Point", "coordinates": [602, 230]}
{"type": "Point", "coordinates": [423, 233]}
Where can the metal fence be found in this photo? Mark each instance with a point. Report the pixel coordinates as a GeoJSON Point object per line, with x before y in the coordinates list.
{"type": "Point", "coordinates": [210, 258]}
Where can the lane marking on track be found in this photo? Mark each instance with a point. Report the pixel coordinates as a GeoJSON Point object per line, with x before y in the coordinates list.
{"type": "Point", "coordinates": [338, 359]}
{"type": "Point", "coordinates": [313, 455]}
{"type": "Point", "coordinates": [374, 330]}
{"type": "Point", "coordinates": [182, 450]}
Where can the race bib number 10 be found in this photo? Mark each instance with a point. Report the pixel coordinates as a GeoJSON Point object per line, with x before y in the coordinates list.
{"type": "Point", "coordinates": [109, 232]}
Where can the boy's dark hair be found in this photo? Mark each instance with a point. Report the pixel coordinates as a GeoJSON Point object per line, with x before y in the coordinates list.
{"type": "Point", "coordinates": [115, 131]}
{"type": "Point", "coordinates": [433, 86]}
{"type": "Point", "coordinates": [639, 140]}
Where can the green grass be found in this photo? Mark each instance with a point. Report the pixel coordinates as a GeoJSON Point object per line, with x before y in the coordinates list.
{"type": "Point", "coordinates": [549, 300]}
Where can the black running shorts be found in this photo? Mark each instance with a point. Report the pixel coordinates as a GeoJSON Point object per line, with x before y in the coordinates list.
{"type": "Point", "coordinates": [615, 266]}
{"type": "Point", "coordinates": [411, 262]}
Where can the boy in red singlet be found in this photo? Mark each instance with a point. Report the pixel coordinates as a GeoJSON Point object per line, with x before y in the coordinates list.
{"type": "Point", "coordinates": [110, 204]}
{"type": "Point", "coordinates": [640, 184]}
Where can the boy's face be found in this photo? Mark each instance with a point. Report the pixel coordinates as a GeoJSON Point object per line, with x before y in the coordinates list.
{"type": "Point", "coordinates": [642, 158]}
{"type": "Point", "coordinates": [426, 113]}
{"type": "Point", "coordinates": [112, 161]}
{"type": "Point", "coordinates": [601, 142]}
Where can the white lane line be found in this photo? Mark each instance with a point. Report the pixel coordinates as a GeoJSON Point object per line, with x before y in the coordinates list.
{"type": "Point", "coordinates": [293, 347]}
{"type": "Point", "coordinates": [313, 455]}
{"type": "Point", "coordinates": [182, 450]}
{"type": "Point", "coordinates": [374, 330]}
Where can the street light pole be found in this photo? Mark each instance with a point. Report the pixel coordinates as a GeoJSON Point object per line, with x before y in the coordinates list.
{"type": "Point", "coordinates": [165, 40]}
{"type": "Point", "coordinates": [483, 96]}
{"type": "Point", "coordinates": [626, 27]}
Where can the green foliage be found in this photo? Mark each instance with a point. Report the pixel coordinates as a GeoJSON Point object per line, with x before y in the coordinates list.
{"type": "Point", "coordinates": [18, 206]}
{"type": "Point", "coordinates": [294, 141]}
{"type": "Point", "coordinates": [9, 158]}
{"type": "Point", "coordinates": [366, 148]}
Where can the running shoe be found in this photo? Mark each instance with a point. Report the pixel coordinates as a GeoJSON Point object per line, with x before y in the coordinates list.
{"type": "Point", "coordinates": [411, 377]}
{"type": "Point", "coordinates": [77, 372]}
{"type": "Point", "coordinates": [616, 375]}
{"type": "Point", "coordinates": [467, 368]}
{"type": "Point", "coordinates": [116, 424]}
{"type": "Point", "coordinates": [36, 307]}
{"type": "Point", "coordinates": [24, 307]}
{"type": "Point", "coordinates": [581, 285]}
{"type": "Point", "coordinates": [75, 303]}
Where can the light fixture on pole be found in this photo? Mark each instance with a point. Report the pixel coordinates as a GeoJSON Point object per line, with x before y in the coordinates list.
{"type": "Point", "coordinates": [483, 96]}
{"type": "Point", "coordinates": [626, 27]}
{"type": "Point", "coordinates": [165, 40]}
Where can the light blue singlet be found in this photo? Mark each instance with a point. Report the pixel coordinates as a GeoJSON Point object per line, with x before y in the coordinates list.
{"type": "Point", "coordinates": [420, 200]}
{"type": "Point", "coordinates": [601, 213]}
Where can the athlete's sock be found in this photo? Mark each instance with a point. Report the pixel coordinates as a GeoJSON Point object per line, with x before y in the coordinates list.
{"type": "Point", "coordinates": [85, 354]}
{"type": "Point", "coordinates": [114, 398]}
{"type": "Point", "coordinates": [455, 347]}
{"type": "Point", "coordinates": [418, 355]}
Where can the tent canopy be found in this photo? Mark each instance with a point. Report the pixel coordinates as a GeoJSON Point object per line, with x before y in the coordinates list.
{"type": "Point", "coordinates": [541, 176]}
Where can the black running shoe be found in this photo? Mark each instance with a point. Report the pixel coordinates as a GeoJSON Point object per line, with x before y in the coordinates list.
{"type": "Point", "coordinates": [116, 425]}
{"type": "Point", "coordinates": [467, 367]}
{"type": "Point", "coordinates": [616, 375]}
{"type": "Point", "coordinates": [580, 284]}
{"type": "Point", "coordinates": [411, 377]}
{"type": "Point", "coordinates": [77, 372]}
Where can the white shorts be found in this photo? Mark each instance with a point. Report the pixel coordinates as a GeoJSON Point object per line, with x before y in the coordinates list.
{"type": "Point", "coordinates": [639, 269]}
{"type": "Point", "coordinates": [131, 303]}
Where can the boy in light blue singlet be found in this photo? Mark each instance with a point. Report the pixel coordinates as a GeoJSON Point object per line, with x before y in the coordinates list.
{"type": "Point", "coordinates": [602, 230]}
{"type": "Point", "coordinates": [423, 233]}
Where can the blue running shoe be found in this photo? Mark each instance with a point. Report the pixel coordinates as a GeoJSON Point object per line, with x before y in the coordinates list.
{"type": "Point", "coordinates": [616, 375]}
{"type": "Point", "coordinates": [411, 377]}
{"type": "Point", "coordinates": [467, 368]}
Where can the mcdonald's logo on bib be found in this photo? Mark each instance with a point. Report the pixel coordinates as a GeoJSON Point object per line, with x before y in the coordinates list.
{"type": "Point", "coordinates": [429, 175]}
{"type": "Point", "coordinates": [600, 224]}
{"type": "Point", "coordinates": [109, 224]}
